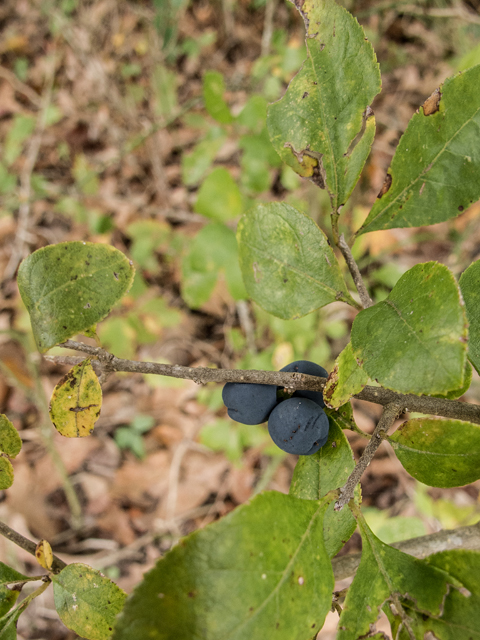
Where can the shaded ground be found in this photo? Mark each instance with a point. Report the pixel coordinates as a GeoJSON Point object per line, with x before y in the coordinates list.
{"type": "Point", "coordinates": [122, 110]}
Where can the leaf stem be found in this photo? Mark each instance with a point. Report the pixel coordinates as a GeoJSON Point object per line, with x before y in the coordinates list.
{"type": "Point", "coordinates": [388, 417]}
{"type": "Point", "coordinates": [355, 272]}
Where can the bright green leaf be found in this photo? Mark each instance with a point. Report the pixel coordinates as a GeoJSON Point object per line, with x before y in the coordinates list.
{"type": "Point", "coordinates": [470, 287]}
{"type": "Point", "coordinates": [323, 126]}
{"type": "Point", "coordinates": [440, 453]}
{"type": "Point", "coordinates": [10, 441]}
{"type": "Point", "coordinates": [254, 114]}
{"type": "Point", "coordinates": [260, 572]}
{"type": "Point", "coordinates": [6, 473]}
{"type": "Point", "coordinates": [384, 574]}
{"type": "Point", "coordinates": [196, 163]}
{"type": "Point", "coordinates": [76, 401]}
{"type": "Point", "coordinates": [414, 341]}
{"type": "Point", "coordinates": [223, 435]}
{"type": "Point", "coordinates": [21, 129]}
{"type": "Point", "coordinates": [346, 379]}
{"type": "Point", "coordinates": [287, 264]}
{"type": "Point", "coordinates": [219, 197]}
{"type": "Point", "coordinates": [86, 601]}
{"type": "Point", "coordinates": [213, 90]}
{"type": "Point", "coordinates": [148, 236]}
{"type": "Point", "coordinates": [164, 85]}
{"type": "Point", "coordinates": [69, 287]}
{"type": "Point", "coordinates": [316, 475]}
{"type": "Point", "coordinates": [213, 249]}
{"type": "Point", "coordinates": [435, 172]}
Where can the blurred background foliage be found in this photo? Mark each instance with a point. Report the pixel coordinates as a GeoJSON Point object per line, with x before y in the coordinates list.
{"type": "Point", "coordinates": [142, 124]}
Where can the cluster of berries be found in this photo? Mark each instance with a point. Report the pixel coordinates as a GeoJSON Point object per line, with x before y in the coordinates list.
{"type": "Point", "coordinates": [297, 424]}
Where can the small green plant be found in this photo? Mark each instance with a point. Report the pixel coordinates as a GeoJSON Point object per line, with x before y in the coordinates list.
{"type": "Point", "coordinates": [131, 437]}
{"type": "Point", "coordinates": [268, 568]}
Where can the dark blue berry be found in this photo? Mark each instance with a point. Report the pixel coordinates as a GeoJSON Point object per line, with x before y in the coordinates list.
{"type": "Point", "coordinates": [249, 403]}
{"type": "Point", "coordinates": [298, 425]}
{"type": "Point", "coordinates": [311, 369]}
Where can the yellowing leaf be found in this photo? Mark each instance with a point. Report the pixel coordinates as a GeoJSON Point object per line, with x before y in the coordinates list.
{"type": "Point", "coordinates": [10, 441]}
{"type": "Point", "coordinates": [76, 401]}
{"type": "Point", "coordinates": [44, 554]}
{"type": "Point", "coordinates": [6, 473]}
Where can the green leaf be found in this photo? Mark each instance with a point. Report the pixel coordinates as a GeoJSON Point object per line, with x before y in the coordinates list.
{"type": "Point", "coordinates": [435, 172]}
{"type": "Point", "coordinates": [76, 401]}
{"type": "Point", "coordinates": [148, 236]}
{"type": "Point", "coordinates": [219, 197]}
{"type": "Point", "coordinates": [85, 176]}
{"type": "Point", "coordinates": [196, 164]}
{"type": "Point", "coordinates": [440, 453]}
{"type": "Point", "coordinates": [414, 341]}
{"type": "Point", "coordinates": [8, 597]}
{"type": "Point", "coordinates": [393, 529]}
{"type": "Point", "coordinates": [69, 287]}
{"type": "Point", "coordinates": [164, 85]}
{"type": "Point", "coordinates": [213, 90]}
{"type": "Point", "coordinates": [323, 126]}
{"type": "Point", "coordinates": [6, 473]}
{"type": "Point", "coordinates": [21, 129]}
{"type": "Point", "coordinates": [260, 572]}
{"type": "Point", "coordinates": [258, 158]}
{"type": "Point", "coordinates": [8, 575]}
{"type": "Point", "coordinates": [254, 114]}
{"type": "Point", "coordinates": [343, 416]}
{"type": "Point", "coordinates": [458, 393]}
{"type": "Point", "coordinates": [316, 475]}
{"type": "Point", "coordinates": [470, 288]}
{"type": "Point", "coordinates": [345, 380]}
{"type": "Point", "coordinates": [385, 574]}
{"type": "Point", "coordinates": [86, 601]}
{"type": "Point", "coordinates": [287, 264]}
{"type": "Point", "coordinates": [10, 441]}
{"type": "Point", "coordinates": [461, 611]}
{"type": "Point", "coordinates": [213, 249]}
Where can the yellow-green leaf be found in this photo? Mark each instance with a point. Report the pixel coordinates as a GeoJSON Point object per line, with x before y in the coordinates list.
{"type": "Point", "coordinates": [76, 401]}
{"type": "Point", "coordinates": [6, 473]}
{"type": "Point", "coordinates": [10, 441]}
{"type": "Point", "coordinates": [345, 380]}
{"type": "Point", "coordinates": [86, 601]}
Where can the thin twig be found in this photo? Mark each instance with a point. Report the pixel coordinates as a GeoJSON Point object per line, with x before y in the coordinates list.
{"type": "Point", "coordinates": [21, 87]}
{"type": "Point", "coordinates": [25, 190]}
{"type": "Point", "coordinates": [355, 272]}
{"type": "Point", "coordinates": [28, 545]}
{"type": "Point", "coordinates": [203, 375]}
{"type": "Point", "coordinates": [267, 27]}
{"type": "Point", "coordinates": [388, 417]}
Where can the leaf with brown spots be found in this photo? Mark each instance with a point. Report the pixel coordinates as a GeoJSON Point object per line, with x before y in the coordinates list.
{"type": "Point", "coordinates": [435, 172]}
{"type": "Point", "coordinates": [76, 401]}
{"type": "Point", "coordinates": [69, 287]}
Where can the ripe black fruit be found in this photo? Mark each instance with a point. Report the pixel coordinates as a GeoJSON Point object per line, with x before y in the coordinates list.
{"type": "Point", "coordinates": [311, 369]}
{"type": "Point", "coordinates": [298, 425]}
{"type": "Point", "coordinates": [249, 403]}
